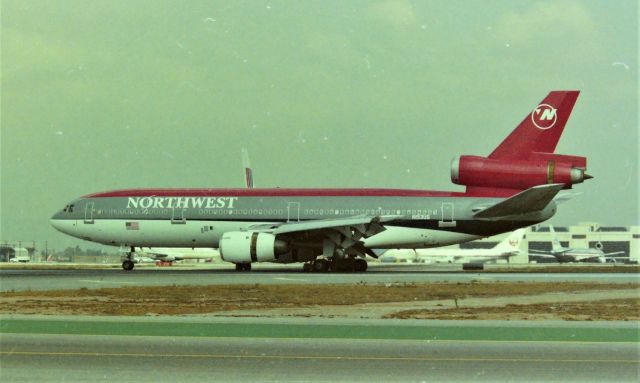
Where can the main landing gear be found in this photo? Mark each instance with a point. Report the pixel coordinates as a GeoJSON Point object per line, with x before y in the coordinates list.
{"type": "Point", "coordinates": [243, 266]}
{"type": "Point", "coordinates": [128, 264]}
{"type": "Point", "coordinates": [322, 265]}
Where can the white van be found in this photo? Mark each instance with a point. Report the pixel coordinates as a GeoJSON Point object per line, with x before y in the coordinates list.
{"type": "Point", "coordinates": [21, 255]}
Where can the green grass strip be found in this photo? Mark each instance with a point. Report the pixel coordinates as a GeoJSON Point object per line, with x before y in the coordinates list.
{"type": "Point", "coordinates": [327, 331]}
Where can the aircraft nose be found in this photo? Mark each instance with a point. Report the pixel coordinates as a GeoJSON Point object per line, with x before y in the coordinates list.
{"type": "Point", "coordinates": [56, 223]}
{"type": "Point", "coordinates": [62, 225]}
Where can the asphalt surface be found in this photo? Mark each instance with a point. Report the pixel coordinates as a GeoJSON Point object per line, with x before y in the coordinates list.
{"type": "Point", "coordinates": [74, 358]}
{"type": "Point", "coordinates": [202, 348]}
{"type": "Point", "coordinates": [323, 328]}
{"type": "Point", "coordinates": [38, 279]}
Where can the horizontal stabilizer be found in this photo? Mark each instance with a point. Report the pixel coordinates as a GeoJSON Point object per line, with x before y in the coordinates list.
{"type": "Point", "coordinates": [529, 201]}
{"type": "Point", "coordinates": [565, 196]}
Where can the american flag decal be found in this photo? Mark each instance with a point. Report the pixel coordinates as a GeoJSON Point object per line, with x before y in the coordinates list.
{"type": "Point", "coordinates": [132, 225]}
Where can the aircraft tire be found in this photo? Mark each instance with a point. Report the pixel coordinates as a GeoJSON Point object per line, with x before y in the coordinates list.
{"type": "Point", "coordinates": [346, 265]}
{"type": "Point", "coordinates": [243, 266]}
{"type": "Point", "coordinates": [306, 267]}
{"type": "Point", "coordinates": [360, 265]}
{"type": "Point", "coordinates": [320, 266]}
{"type": "Point", "coordinates": [127, 265]}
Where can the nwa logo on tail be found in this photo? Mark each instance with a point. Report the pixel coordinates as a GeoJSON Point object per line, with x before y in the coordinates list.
{"type": "Point", "coordinates": [544, 116]}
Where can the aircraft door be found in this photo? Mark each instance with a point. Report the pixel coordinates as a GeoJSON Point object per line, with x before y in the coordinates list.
{"type": "Point", "coordinates": [293, 211]}
{"type": "Point", "coordinates": [447, 215]}
{"type": "Point", "coordinates": [177, 215]}
{"type": "Point", "coordinates": [88, 213]}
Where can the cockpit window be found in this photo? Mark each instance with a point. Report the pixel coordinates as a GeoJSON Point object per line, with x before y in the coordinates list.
{"type": "Point", "coordinates": [68, 209]}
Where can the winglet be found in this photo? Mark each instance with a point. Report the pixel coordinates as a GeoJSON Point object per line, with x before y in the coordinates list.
{"type": "Point", "coordinates": [529, 201]}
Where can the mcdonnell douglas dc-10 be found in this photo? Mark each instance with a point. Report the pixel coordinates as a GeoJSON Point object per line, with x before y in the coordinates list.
{"type": "Point", "coordinates": [333, 229]}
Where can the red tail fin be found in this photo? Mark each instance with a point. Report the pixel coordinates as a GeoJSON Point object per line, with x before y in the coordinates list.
{"type": "Point", "coordinates": [526, 158]}
{"type": "Point", "coordinates": [540, 130]}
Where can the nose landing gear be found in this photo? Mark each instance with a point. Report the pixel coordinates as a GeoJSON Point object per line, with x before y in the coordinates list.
{"type": "Point", "coordinates": [128, 264]}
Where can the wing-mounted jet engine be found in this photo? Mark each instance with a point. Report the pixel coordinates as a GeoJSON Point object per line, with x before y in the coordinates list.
{"type": "Point", "coordinates": [245, 247]}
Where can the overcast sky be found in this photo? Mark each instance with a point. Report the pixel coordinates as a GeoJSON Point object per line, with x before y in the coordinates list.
{"type": "Point", "coordinates": [100, 95]}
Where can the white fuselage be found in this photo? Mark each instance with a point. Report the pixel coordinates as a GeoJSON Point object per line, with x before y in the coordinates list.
{"type": "Point", "coordinates": [161, 233]}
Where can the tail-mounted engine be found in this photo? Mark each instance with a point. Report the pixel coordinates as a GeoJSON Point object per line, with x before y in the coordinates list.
{"type": "Point", "coordinates": [539, 169]}
{"type": "Point", "coordinates": [251, 246]}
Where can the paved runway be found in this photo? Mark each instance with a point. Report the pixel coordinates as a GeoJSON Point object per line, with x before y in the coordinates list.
{"type": "Point", "coordinates": [37, 279]}
{"type": "Point", "coordinates": [72, 358]}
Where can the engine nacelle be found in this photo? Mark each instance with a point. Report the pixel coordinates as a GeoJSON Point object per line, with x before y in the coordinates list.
{"type": "Point", "coordinates": [514, 174]}
{"type": "Point", "coordinates": [251, 246]}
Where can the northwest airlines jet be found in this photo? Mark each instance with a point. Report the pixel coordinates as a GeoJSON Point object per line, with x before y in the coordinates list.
{"type": "Point", "coordinates": [334, 229]}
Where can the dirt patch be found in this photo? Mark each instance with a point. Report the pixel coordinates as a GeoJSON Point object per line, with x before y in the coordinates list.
{"type": "Point", "coordinates": [183, 300]}
{"type": "Point", "coordinates": [612, 309]}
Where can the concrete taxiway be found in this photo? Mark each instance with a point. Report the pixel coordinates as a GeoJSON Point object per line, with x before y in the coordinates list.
{"type": "Point", "coordinates": [202, 357]}
{"type": "Point", "coordinates": [43, 279]}
{"type": "Point", "coordinates": [207, 348]}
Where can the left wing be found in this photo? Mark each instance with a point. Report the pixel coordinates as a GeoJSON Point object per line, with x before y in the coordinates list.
{"type": "Point", "coordinates": [341, 234]}
{"type": "Point", "coordinates": [319, 224]}
{"type": "Point", "coordinates": [587, 258]}
{"type": "Point", "coordinates": [542, 255]}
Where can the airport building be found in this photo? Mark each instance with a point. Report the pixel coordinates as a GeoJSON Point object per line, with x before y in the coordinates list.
{"type": "Point", "coordinates": [16, 252]}
{"type": "Point", "coordinates": [609, 239]}
{"type": "Point", "coordinates": [38, 252]}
